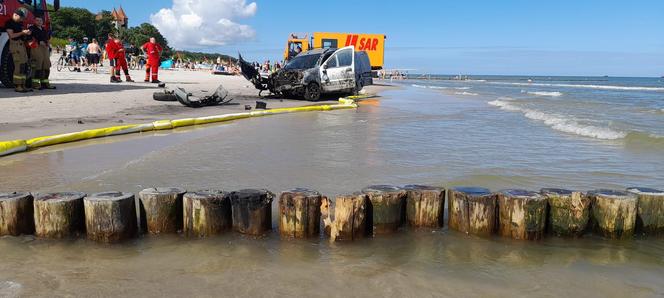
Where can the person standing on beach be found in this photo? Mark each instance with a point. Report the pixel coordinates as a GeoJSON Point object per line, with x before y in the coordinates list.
{"type": "Point", "coordinates": [153, 51]}
{"type": "Point", "coordinates": [111, 52]}
{"type": "Point", "coordinates": [94, 53]}
{"type": "Point", "coordinates": [17, 36]}
{"type": "Point", "coordinates": [40, 57]}
{"type": "Point", "coordinates": [121, 58]}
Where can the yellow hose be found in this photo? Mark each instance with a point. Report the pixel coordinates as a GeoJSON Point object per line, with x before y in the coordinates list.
{"type": "Point", "coordinates": [10, 147]}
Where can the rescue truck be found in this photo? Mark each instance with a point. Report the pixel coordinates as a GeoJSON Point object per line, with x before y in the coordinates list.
{"type": "Point", "coordinates": [372, 44]}
{"type": "Point", "coordinates": [7, 8]}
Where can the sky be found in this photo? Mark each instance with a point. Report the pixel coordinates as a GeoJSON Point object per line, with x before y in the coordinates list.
{"type": "Point", "coordinates": [616, 38]}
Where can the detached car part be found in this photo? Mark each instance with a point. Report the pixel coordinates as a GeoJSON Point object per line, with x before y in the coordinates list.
{"type": "Point", "coordinates": [219, 97]}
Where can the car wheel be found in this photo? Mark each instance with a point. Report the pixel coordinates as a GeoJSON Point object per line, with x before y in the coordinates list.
{"type": "Point", "coordinates": [312, 92]}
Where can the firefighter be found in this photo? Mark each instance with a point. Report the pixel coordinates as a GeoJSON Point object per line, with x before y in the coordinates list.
{"type": "Point", "coordinates": [153, 51]}
{"type": "Point", "coordinates": [40, 56]}
{"type": "Point", "coordinates": [111, 52]}
{"type": "Point", "coordinates": [121, 58]}
{"type": "Point", "coordinates": [17, 48]}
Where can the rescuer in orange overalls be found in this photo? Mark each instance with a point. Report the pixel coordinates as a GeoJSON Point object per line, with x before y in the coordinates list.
{"type": "Point", "coordinates": [121, 58]}
{"type": "Point", "coordinates": [153, 51]}
{"type": "Point", "coordinates": [111, 52]}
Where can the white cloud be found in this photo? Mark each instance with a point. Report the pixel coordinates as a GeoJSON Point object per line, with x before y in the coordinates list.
{"type": "Point", "coordinates": [195, 24]}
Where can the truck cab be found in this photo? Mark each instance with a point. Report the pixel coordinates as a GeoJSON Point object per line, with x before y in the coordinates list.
{"type": "Point", "coordinates": [7, 8]}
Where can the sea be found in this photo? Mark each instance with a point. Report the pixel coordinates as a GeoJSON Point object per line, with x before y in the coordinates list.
{"type": "Point", "coordinates": [499, 132]}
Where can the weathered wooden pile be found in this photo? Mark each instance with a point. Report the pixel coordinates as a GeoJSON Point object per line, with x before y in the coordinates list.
{"type": "Point", "coordinates": [376, 210]}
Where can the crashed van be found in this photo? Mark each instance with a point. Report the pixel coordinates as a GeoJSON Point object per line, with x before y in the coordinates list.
{"type": "Point", "coordinates": [314, 73]}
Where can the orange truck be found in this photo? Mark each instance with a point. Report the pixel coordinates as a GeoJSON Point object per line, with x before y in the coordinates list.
{"type": "Point", "coordinates": [372, 44]}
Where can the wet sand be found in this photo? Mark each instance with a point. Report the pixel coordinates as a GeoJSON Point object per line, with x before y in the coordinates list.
{"type": "Point", "coordinates": [86, 101]}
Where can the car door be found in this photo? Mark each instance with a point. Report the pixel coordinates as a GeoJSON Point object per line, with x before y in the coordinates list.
{"type": "Point", "coordinates": [338, 71]}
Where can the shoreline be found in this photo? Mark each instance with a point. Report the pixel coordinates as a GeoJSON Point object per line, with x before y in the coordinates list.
{"type": "Point", "coordinates": [86, 101]}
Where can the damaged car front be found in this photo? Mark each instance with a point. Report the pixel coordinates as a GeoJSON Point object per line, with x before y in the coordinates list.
{"type": "Point", "coordinates": [300, 77]}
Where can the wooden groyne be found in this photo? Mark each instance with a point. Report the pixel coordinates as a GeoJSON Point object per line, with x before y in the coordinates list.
{"type": "Point", "coordinates": [110, 217]}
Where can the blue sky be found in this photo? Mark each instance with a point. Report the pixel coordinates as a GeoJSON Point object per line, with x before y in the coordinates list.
{"type": "Point", "coordinates": [468, 37]}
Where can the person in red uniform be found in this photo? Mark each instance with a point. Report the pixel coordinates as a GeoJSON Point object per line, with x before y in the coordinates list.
{"type": "Point", "coordinates": [153, 51]}
{"type": "Point", "coordinates": [121, 58]}
{"type": "Point", "coordinates": [111, 53]}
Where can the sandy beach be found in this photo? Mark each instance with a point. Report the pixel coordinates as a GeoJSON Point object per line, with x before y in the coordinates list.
{"type": "Point", "coordinates": [85, 100]}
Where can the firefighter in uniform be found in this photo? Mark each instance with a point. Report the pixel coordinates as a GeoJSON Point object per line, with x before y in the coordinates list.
{"type": "Point", "coordinates": [40, 56]}
{"type": "Point", "coordinates": [17, 36]}
{"type": "Point", "coordinates": [153, 51]}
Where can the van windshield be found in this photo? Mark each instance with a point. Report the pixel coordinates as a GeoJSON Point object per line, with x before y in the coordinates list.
{"type": "Point", "coordinates": [303, 62]}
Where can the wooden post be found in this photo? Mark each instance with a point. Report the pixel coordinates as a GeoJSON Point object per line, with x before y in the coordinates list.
{"type": "Point", "coordinates": [614, 213]}
{"type": "Point", "coordinates": [386, 208]}
{"type": "Point", "coordinates": [161, 209]}
{"type": "Point", "coordinates": [569, 211]}
{"type": "Point", "coordinates": [650, 210]}
{"type": "Point", "coordinates": [472, 210]}
{"type": "Point", "coordinates": [110, 216]}
{"type": "Point", "coordinates": [59, 215]}
{"type": "Point", "coordinates": [425, 206]}
{"type": "Point", "coordinates": [350, 218]}
{"type": "Point", "coordinates": [522, 214]}
{"type": "Point", "coordinates": [206, 213]}
{"type": "Point", "coordinates": [299, 213]}
{"type": "Point", "coordinates": [16, 211]}
{"type": "Point", "coordinates": [252, 211]}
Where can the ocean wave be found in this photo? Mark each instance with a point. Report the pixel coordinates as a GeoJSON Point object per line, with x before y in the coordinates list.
{"type": "Point", "coordinates": [562, 123]}
{"type": "Point", "coordinates": [462, 88]}
{"type": "Point", "coordinates": [466, 93]}
{"type": "Point", "coordinates": [438, 87]}
{"type": "Point", "coordinates": [601, 87]}
{"type": "Point", "coordinates": [418, 86]}
{"type": "Point", "coordinates": [545, 93]}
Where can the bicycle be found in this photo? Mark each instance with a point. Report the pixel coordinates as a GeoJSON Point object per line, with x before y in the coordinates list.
{"type": "Point", "coordinates": [65, 60]}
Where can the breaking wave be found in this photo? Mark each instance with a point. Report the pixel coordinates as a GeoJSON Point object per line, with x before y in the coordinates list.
{"type": "Point", "coordinates": [562, 123]}
{"type": "Point", "coordinates": [545, 93]}
{"type": "Point", "coordinates": [601, 87]}
{"type": "Point", "coordinates": [418, 86]}
{"type": "Point", "coordinates": [466, 93]}
{"type": "Point", "coordinates": [438, 87]}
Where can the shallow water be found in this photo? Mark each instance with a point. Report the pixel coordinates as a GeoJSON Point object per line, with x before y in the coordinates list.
{"type": "Point", "coordinates": [412, 135]}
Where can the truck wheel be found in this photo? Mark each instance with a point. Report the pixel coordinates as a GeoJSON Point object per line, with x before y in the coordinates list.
{"type": "Point", "coordinates": [312, 92]}
{"type": "Point", "coordinates": [6, 68]}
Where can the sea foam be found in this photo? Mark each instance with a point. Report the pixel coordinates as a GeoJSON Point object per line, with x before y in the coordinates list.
{"type": "Point", "coordinates": [466, 93]}
{"type": "Point", "coordinates": [601, 87]}
{"type": "Point", "coordinates": [562, 123]}
{"type": "Point", "coordinates": [545, 93]}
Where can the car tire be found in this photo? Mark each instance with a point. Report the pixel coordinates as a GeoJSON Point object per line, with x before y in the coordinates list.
{"type": "Point", "coordinates": [312, 92]}
{"type": "Point", "coordinates": [161, 96]}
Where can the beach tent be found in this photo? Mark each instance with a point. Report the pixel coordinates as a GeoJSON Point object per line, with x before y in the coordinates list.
{"type": "Point", "coordinates": [167, 64]}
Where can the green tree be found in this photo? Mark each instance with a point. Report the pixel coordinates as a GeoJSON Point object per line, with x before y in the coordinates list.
{"type": "Point", "coordinates": [141, 34]}
{"type": "Point", "coordinates": [104, 26]}
{"type": "Point", "coordinates": [73, 22]}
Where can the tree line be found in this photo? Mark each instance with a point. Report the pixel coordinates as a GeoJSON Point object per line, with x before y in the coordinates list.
{"type": "Point", "coordinates": [77, 23]}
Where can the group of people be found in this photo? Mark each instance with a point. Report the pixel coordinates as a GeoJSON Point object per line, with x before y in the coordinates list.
{"type": "Point", "coordinates": [117, 57]}
{"type": "Point", "coordinates": [30, 49]}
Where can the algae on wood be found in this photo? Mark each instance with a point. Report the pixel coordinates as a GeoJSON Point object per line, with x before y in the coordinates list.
{"type": "Point", "coordinates": [614, 213]}
{"type": "Point", "coordinates": [569, 212]}
{"type": "Point", "coordinates": [252, 211]}
{"type": "Point", "coordinates": [300, 213]}
{"type": "Point", "coordinates": [472, 210]}
{"type": "Point", "coordinates": [424, 206]}
{"type": "Point", "coordinates": [386, 208]}
{"type": "Point", "coordinates": [650, 210]}
{"type": "Point", "coordinates": [16, 212]}
{"type": "Point", "coordinates": [522, 214]}
{"type": "Point", "coordinates": [59, 215]}
{"type": "Point", "coordinates": [161, 209]}
{"type": "Point", "coordinates": [206, 213]}
{"type": "Point", "coordinates": [350, 218]}
{"type": "Point", "coordinates": [110, 216]}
